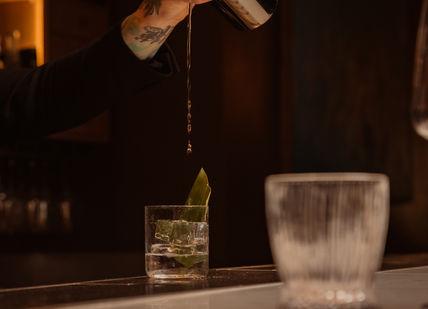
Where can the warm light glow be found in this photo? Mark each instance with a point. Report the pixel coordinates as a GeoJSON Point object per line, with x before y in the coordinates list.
{"type": "Point", "coordinates": [10, 1]}
{"type": "Point", "coordinates": [39, 30]}
{"type": "Point", "coordinates": [30, 22]}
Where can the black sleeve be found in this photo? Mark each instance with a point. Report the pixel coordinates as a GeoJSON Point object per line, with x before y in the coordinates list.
{"type": "Point", "coordinates": [67, 92]}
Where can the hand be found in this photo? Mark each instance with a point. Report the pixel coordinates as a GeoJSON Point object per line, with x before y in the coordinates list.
{"type": "Point", "coordinates": [147, 29]}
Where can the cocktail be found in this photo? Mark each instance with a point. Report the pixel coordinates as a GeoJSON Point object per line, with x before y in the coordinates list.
{"type": "Point", "coordinates": [176, 241]}
{"type": "Point", "coordinates": [177, 237]}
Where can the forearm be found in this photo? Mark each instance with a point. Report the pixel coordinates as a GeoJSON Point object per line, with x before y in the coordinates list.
{"type": "Point", "coordinates": [148, 28]}
{"type": "Point", "coordinates": [144, 38]}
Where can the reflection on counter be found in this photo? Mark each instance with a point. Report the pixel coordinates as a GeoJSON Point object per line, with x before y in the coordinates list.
{"type": "Point", "coordinates": [114, 290]}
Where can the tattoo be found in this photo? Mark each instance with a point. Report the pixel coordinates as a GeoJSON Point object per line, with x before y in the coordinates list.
{"type": "Point", "coordinates": [151, 7]}
{"type": "Point", "coordinates": [153, 34]}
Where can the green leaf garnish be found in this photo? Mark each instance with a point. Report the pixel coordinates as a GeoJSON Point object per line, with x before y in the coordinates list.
{"type": "Point", "coordinates": [199, 196]}
{"type": "Point", "coordinates": [201, 190]}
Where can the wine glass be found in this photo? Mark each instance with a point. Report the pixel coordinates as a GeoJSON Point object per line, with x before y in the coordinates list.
{"type": "Point", "coordinates": [419, 109]}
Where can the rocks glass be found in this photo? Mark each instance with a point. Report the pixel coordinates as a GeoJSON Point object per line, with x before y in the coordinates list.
{"type": "Point", "coordinates": [327, 234]}
{"type": "Point", "coordinates": [177, 241]}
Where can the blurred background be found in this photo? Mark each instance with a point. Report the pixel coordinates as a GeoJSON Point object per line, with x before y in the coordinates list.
{"type": "Point", "coordinates": [324, 86]}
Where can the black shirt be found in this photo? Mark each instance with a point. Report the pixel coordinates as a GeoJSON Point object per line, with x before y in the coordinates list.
{"type": "Point", "coordinates": [68, 92]}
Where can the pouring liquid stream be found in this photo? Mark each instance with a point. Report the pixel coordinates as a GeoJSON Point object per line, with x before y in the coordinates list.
{"type": "Point", "coordinates": [189, 82]}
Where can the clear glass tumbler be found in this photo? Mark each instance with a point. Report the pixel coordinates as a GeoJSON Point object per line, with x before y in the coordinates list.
{"type": "Point", "coordinates": [177, 241]}
{"type": "Point", "coordinates": [327, 234]}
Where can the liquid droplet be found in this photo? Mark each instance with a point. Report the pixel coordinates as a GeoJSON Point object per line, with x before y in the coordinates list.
{"type": "Point", "coordinates": [189, 148]}
{"type": "Point", "coordinates": [189, 83]}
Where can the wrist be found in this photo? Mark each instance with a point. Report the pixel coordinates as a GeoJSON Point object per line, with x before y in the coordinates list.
{"type": "Point", "coordinates": [165, 16]}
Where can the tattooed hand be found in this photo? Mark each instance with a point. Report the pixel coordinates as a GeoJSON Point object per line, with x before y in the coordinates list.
{"type": "Point", "coordinates": [148, 28]}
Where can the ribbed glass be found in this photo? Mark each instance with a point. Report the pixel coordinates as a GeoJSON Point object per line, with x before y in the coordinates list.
{"type": "Point", "coordinates": [327, 234]}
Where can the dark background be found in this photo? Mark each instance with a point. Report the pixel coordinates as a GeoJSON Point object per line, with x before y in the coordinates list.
{"type": "Point", "coordinates": [324, 86]}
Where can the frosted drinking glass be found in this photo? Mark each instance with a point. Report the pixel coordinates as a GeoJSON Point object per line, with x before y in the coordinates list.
{"type": "Point", "coordinates": [327, 234]}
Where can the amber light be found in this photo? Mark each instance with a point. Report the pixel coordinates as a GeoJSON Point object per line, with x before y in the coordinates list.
{"type": "Point", "coordinates": [39, 29]}
{"type": "Point", "coordinates": [27, 17]}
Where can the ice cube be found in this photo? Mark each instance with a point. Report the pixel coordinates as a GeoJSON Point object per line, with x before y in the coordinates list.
{"type": "Point", "coordinates": [182, 250]}
{"type": "Point", "coordinates": [201, 233]}
{"type": "Point", "coordinates": [168, 249]}
{"type": "Point", "coordinates": [160, 249]}
{"type": "Point", "coordinates": [182, 233]}
{"type": "Point", "coordinates": [163, 230]}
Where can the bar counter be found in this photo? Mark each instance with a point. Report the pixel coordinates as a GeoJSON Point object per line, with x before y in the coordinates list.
{"type": "Point", "coordinates": [88, 291]}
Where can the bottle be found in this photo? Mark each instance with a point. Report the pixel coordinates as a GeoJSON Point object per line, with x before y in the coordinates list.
{"type": "Point", "coordinates": [247, 14]}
